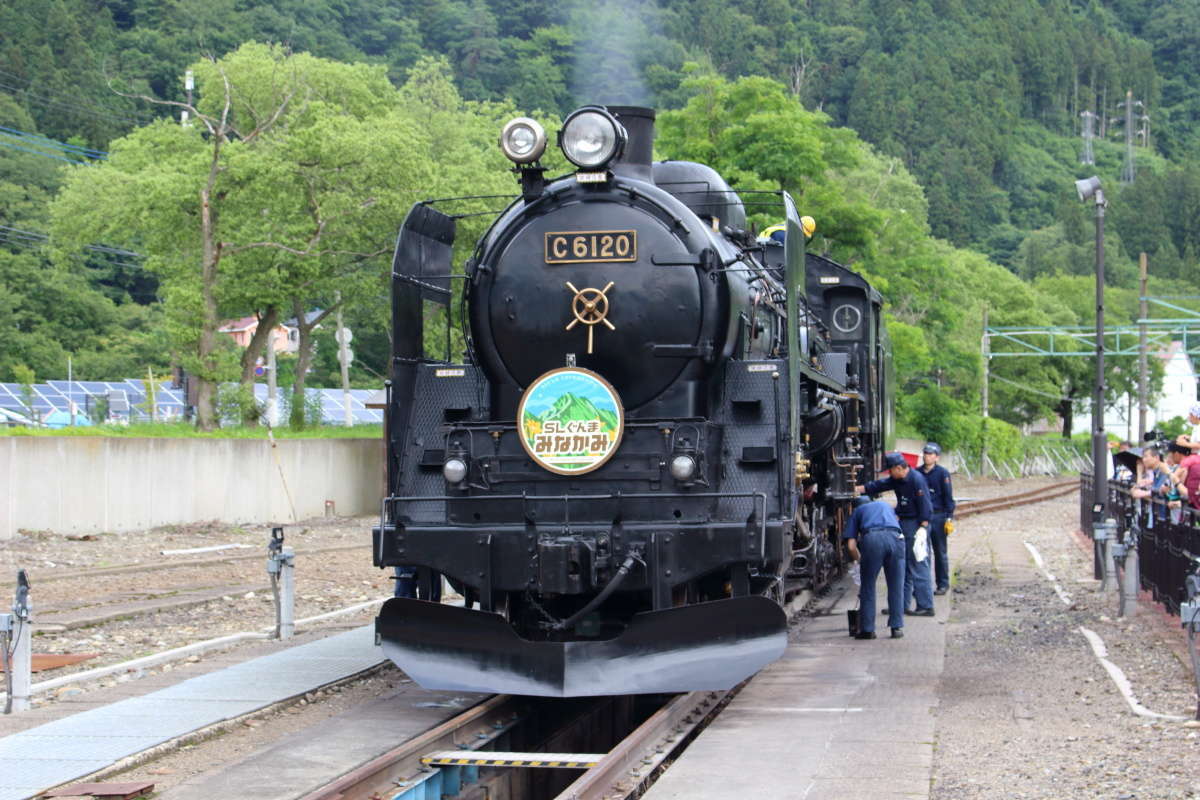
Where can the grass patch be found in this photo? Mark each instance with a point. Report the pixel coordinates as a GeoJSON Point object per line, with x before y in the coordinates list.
{"type": "Point", "coordinates": [185, 430]}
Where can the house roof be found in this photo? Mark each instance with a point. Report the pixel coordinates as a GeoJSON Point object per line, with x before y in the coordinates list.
{"type": "Point", "coordinates": [1169, 352]}
{"type": "Point", "coordinates": [241, 324]}
{"type": "Point", "coordinates": [309, 317]}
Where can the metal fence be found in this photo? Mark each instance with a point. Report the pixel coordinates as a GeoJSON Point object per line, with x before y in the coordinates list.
{"type": "Point", "coordinates": [1167, 540]}
{"type": "Point", "coordinates": [1044, 459]}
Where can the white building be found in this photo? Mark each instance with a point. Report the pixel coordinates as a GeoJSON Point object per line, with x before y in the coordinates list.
{"type": "Point", "coordinates": [1178, 394]}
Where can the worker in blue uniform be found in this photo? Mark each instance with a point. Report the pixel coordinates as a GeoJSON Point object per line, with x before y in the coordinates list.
{"type": "Point", "coordinates": [873, 537]}
{"type": "Point", "coordinates": [914, 510]}
{"type": "Point", "coordinates": [941, 497]}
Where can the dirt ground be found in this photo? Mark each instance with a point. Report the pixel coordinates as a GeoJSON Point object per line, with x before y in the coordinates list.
{"type": "Point", "coordinates": [67, 579]}
{"type": "Point", "coordinates": [1026, 710]}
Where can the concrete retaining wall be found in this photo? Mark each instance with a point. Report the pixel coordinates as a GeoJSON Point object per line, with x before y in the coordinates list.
{"type": "Point", "coordinates": [92, 484]}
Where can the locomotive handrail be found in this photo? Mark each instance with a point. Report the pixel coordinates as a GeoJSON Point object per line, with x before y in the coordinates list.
{"type": "Point", "coordinates": [429, 287]}
{"type": "Point", "coordinates": [567, 498]}
{"type": "Point", "coordinates": [673, 422]}
{"type": "Point", "coordinates": [470, 197]}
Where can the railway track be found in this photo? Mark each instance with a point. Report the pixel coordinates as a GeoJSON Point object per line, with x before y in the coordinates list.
{"type": "Point", "coordinates": [472, 755]}
{"type": "Point", "coordinates": [515, 747]}
{"type": "Point", "coordinates": [500, 749]}
{"type": "Point", "coordinates": [973, 507]}
{"type": "Point", "coordinates": [155, 567]}
{"type": "Point", "coordinates": [150, 588]}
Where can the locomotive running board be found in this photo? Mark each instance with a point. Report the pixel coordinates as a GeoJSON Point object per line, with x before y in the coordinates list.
{"type": "Point", "coordinates": [704, 647]}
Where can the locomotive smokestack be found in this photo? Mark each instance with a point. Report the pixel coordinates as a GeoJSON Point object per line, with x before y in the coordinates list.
{"type": "Point", "coordinates": [636, 161]}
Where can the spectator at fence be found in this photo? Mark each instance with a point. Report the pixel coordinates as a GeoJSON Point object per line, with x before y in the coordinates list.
{"type": "Point", "coordinates": [1191, 441]}
{"type": "Point", "coordinates": [1155, 484]}
{"type": "Point", "coordinates": [1120, 472]}
{"type": "Point", "coordinates": [1177, 494]}
{"type": "Point", "coordinates": [1187, 472]}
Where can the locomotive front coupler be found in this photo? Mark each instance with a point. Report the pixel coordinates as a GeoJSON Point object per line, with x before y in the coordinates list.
{"type": "Point", "coordinates": [634, 557]}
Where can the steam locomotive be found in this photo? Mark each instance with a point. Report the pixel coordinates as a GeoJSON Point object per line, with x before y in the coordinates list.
{"type": "Point", "coordinates": [653, 437]}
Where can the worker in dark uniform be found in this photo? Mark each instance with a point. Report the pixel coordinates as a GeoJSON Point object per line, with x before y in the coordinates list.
{"type": "Point", "coordinates": [941, 497]}
{"type": "Point", "coordinates": [406, 584]}
{"type": "Point", "coordinates": [914, 510]}
{"type": "Point", "coordinates": [873, 537]}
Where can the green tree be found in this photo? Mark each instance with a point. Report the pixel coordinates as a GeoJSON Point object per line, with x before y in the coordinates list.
{"type": "Point", "coordinates": [251, 205]}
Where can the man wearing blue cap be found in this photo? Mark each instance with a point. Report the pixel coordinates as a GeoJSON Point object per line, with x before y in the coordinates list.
{"type": "Point", "coordinates": [873, 537]}
{"type": "Point", "coordinates": [914, 511]}
{"type": "Point", "coordinates": [941, 497]}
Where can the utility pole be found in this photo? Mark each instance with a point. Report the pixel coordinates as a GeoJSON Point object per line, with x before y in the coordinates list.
{"type": "Point", "coordinates": [985, 346]}
{"type": "Point", "coordinates": [1099, 439]}
{"type": "Point", "coordinates": [189, 83]}
{"type": "Point", "coordinates": [344, 356]}
{"type": "Point", "coordinates": [272, 384]}
{"type": "Point", "coordinates": [1090, 190]}
{"type": "Point", "coordinates": [1143, 313]}
{"type": "Point", "coordinates": [1089, 132]}
{"type": "Point", "coordinates": [151, 394]}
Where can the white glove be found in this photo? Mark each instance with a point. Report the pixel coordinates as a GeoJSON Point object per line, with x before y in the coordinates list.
{"type": "Point", "coordinates": [856, 574]}
{"type": "Point", "coordinates": [920, 544]}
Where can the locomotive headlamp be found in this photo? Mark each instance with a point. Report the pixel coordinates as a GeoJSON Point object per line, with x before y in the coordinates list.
{"type": "Point", "coordinates": [523, 140]}
{"type": "Point", "coordinates": [591, 137]}
{"type": "Point", "coordinates": [683, 468]}
{"type": "Point", "coordinates": [454, 470]}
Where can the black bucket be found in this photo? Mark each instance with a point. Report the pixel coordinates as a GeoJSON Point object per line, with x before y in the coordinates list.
{"type": "Point", "coordinates": [852, 620]}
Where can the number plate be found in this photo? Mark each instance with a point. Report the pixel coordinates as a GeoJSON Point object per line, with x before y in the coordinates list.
{"type": "Point", "coordinates": [577, 246]}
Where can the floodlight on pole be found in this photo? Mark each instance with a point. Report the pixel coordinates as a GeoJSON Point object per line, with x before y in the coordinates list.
{"type": "Point", "coordinates": [1089, 189]}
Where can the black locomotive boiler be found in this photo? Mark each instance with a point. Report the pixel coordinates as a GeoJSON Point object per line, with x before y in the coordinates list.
{"type": "Point", "coordinates": [651, 439]}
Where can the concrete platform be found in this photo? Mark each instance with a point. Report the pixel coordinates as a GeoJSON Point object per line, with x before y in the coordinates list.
{"type": "Point", "coordinates": [835, 719]}
{"type": "Point", "coordinates": [159, 709]}
{"type": "Point", "coordinates": [306, 759]}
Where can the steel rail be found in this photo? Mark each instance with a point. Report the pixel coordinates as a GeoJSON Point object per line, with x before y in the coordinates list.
{"type": "Point", "coordinates": [628, 765]}
{"type": "Point", "coordinates": [158, 566]}
{"type": "Point", "coordinates": [394, 768]}
{"type": "Point", "coordinates": [1000, 503]}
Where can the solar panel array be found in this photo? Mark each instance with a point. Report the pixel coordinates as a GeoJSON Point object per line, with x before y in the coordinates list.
{"type": "Point", "coordinates": [127, 401]}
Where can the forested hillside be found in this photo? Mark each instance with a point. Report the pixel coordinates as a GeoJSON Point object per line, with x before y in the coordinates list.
{"type": "Point", "coordinates": [936, 142]}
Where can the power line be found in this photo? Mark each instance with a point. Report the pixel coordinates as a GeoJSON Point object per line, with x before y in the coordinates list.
{"type": "Point", "coordinates": [1029, 389]}
{"type": "Point", "coordinates": [98, 258]}
{"type": "Point", "coordinates": [45, 101]}
{"type": "Point", "coordinates": [98, 110]}
{"type": "Point", "coordinates": [40, 153]}
{"type": "Point", "coordinates": [32, 238]}
{"type": "Point", "coordinates": [46, 141]}
{"type": "Point", "coordinates": [23, 234]}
